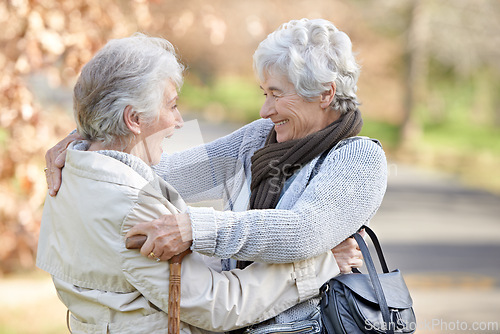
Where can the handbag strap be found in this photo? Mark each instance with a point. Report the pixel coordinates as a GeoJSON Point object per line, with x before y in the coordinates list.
{"type": "Point", "coordinates": [378, 248]}
{"type": "Point", "coordinates": [377, 286]}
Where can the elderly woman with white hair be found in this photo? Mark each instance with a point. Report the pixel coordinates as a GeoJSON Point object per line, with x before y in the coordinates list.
{"type": "Point", "coordinates": [295, 183]}
{"type": "Point", "coordinates": [125, 103]}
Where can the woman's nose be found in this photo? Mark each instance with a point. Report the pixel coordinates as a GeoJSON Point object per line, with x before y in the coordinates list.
{"type": "Point", "coordinates": [267, 108]}
{"type": "Point", "coordinates": [179, 121]}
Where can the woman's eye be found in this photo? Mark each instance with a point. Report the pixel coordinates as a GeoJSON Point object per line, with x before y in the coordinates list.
{"type": "Point", "coordinates": [273, 95]}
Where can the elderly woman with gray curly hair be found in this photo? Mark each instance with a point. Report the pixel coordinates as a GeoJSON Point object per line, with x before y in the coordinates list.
{"type": "Point", "coordinates": [295, 183]}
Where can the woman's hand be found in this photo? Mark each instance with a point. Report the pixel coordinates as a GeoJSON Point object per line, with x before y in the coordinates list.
{"type": "Point", "coordinates": [348, 255]}
{"type": "Point", "coordinates": [54, 160]}
{"type": "Point", "coordinates": [167, 236]}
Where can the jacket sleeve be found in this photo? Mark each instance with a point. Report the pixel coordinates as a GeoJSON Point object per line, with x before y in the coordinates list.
{"type": "Point", "coordinates": [223, 301]}
{"type": "Point", "coordinates": [345, 193]}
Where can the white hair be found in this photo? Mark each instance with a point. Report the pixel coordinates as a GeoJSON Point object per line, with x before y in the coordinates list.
{"type": "Point", "coordinates": [132, 71]}
{"type": "Point", "coordinates": [311, 54]}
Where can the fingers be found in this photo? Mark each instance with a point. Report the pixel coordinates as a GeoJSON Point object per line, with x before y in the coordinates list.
{"type": "Point", "coordinates": [164, 237]}
{"type": "Point", "coordinates": [139, 229]}
{"type": "Point", "coordinates": [162, 249]}
{"type": "Point", "coordinates": [362, 233]}
{"type": "Point", "coordinates": [148, 247]}
{"type": "Point", "coordinates": [54, 178]}
{"type": "Point", "coordinates": [350, 243]}
{"type": "Point", "coordinates": [357, 263]}
{"type": "Point", "coordinates": [348, 255]}
{"type": "Point", "coordinates": [59, 161]}
{"type": "Point", "coordinates": [152, 255]}
{"type": "Point", "coordinates": [147, 230]}
{"type": "Point", "coordinates": [345, 269]}
{"type": "Point", "coordinates": [155, 254]}
{"type": "Point", "coordinates": [54, 160]}
{"type": "Point", "coordinates": [346, 246]}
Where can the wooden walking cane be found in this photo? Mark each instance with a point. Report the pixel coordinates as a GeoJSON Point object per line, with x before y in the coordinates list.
{"type": "Point", "coordinates": [174, 286]}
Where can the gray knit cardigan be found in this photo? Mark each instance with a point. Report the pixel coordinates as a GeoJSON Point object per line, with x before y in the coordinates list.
{"type": "Point", "coordinates": [317, 211]}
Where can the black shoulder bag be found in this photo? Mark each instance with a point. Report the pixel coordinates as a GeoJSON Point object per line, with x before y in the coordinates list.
{"type": "Point", "coordinates": [374, 303]}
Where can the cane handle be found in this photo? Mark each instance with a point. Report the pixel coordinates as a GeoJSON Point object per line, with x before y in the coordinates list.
{"type": "Point", "coordinates": [135, 241]}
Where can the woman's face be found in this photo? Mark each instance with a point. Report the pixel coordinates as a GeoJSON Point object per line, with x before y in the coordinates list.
{"type": "Point", "coordinates": [152, 135]}
{"type": "Point", "coordinates": [293, 116]}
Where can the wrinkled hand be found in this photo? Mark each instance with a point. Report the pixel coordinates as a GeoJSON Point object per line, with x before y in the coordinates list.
{"type": "Point", "coordinates": [54, 159]}
{"type": "Point", "coordinates": [168, 235]}
{"type": "Point", "coordinates": [348, 255]}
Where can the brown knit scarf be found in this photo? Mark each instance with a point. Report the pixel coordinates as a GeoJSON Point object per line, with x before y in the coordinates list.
{"type": "Point", "coordinates": [273, 164]}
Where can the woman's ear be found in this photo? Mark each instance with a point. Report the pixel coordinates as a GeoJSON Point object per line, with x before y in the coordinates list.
{"type": "Point", "coordinates": [327, 97]}
{"type": "Point", "coordinates": [132, 120]}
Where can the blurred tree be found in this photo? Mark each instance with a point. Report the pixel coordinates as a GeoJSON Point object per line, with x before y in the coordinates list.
{"type": "Point", "coordinates": [54, 38]}
{"type": "Point", "coordinates": [416, 69]}
{"type": "Point", "coordinates": [459, 36]}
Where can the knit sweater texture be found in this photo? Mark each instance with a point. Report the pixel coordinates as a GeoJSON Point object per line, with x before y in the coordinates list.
{"type": "Point", "coordinates": [322, 205]}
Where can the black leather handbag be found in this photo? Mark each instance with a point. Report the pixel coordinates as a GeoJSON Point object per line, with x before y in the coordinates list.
{"type": "Point", "coordinates": [367, 303]}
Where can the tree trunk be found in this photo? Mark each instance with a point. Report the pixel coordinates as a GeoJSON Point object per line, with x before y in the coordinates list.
{"type": "Point", "coordinates": [416, 71]}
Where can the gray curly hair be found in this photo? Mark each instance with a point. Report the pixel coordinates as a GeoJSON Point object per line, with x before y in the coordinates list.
{"type": "Point", "coordinates": [132, 71]}
{"type": "Point", "coordinates": [311, 54]}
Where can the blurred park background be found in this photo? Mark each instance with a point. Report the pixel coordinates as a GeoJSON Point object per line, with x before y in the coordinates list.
{"type": "Point", "coordinates": [429, 89]}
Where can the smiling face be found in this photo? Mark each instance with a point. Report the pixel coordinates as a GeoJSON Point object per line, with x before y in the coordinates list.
{"type": "Point", "coordinates": [148, 147]}
{"type": "Point", "coordinates": [293, 116]}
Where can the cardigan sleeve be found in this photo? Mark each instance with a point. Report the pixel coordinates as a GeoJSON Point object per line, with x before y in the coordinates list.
{"type": "Point", "coordinates": [206, 172]}
{"type": "Point", "coordinates": [345, 193]}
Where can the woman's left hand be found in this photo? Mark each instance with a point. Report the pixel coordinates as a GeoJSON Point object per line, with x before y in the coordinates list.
{"type": "Point", "coordinates": [167, 236]}
{"type": "Point", "coordinates": [348, 255]}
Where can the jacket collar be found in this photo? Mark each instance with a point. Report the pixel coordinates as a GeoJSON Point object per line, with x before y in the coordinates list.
{"type": "Point", "coordinates": [99, 167]}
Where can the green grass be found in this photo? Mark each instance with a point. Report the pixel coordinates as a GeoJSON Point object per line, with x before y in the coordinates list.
{"type": "Point", "coordinates": [386, 133]}
{"type": "Point", "coordinates": [232, 98]}
{"type": "Point", "coordinates": [466, 138]}
{"type": "Point", "coordinates": [471, 152]}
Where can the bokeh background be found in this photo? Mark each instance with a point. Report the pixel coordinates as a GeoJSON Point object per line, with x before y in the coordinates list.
{"type": "Point", "coordinates": [429, 89]}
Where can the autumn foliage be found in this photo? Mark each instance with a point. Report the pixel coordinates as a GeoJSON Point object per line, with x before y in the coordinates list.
{"type": "Point", "coordinates": [53, 38]}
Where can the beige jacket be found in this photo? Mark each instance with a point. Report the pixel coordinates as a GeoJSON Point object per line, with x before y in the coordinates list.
{"type": "Point", "coordinates": [109, 289]}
